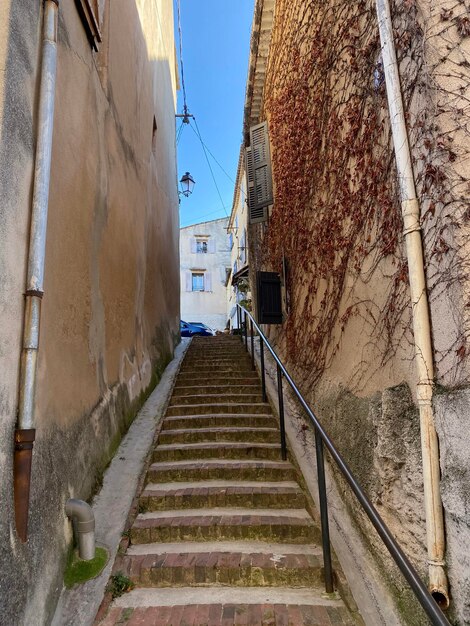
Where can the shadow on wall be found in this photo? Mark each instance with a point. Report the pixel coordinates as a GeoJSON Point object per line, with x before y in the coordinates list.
{"type": "Point", "coordinates": [110, 310]}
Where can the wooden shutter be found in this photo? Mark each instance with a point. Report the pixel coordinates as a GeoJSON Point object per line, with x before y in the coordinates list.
{"type": "Point", "coordinates": [211, 246]}
{"type": "Point", "coordinates": [269, 298]}
{"type": "Point", "coordinates": [193, 246]}
{"type": "Point", "coordinates": [189, 281]}
{"type": "Point", "coordinates": [259, 175]}
{"type": "Point", "coordinates": [207, 281]}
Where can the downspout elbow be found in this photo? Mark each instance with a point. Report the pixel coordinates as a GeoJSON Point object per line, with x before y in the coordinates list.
{"type": "Point", "coordinates": [83, 519]}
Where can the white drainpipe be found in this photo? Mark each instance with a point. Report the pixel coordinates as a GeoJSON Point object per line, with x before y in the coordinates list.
{"type": "Point", "coordinates": [25, 432]}
{"type": "Point", "coordinates": [420, 312]}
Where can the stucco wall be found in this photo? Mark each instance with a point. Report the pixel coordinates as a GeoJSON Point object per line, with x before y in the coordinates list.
{"type": "Point", "coordinates": [210, 305]}
{"type": "Point", "coordinates": [336, 219]}
{"type": "Point", "coordinates": [111, 305]}
{"type": "Point", "coordinates": [238, 229]}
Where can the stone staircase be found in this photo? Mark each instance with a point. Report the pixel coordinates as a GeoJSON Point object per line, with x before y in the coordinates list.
{"type": "Point", "coordinates": [223, 534]}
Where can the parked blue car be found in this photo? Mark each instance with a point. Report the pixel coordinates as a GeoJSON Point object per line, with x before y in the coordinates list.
{"type": "Point", "coordinates": [194, 330]}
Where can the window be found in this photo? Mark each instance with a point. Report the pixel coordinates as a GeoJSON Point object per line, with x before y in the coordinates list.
{"type": "Point", "coordinates": [201, 247]}
{"type": "Point", "coordinates": [197, 282]}
{"type": "Point", "coordinates": [91, 12]}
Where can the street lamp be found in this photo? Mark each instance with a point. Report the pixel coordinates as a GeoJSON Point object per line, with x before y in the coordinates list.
{"type": "Point", "coordinates": [187, 184]}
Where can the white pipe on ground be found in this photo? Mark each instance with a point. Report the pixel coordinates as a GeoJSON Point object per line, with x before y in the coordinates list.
{"type": "Point", "coordinates": [420, 312]}
{"type": "Point", "coordinates": [83, 518]}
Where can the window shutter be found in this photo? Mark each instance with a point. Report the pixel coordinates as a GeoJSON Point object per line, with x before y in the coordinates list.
{"type": "Point", "coordinates": [193, 245]}
{"type": "Point", "coordinates": [211, 246]}
{"type": "Point", "coordinates": [189, 281]}
{"type": "Point", "coordinates": [269, 298]}
{"type": "Point", "coordinates": [90, 13]}
{"type": "Point", "coordinates": [259, 174]}
{"type": "Point", "coordinates": [207, 281]}
{"type": "Point", "coordinates": [243, 247]}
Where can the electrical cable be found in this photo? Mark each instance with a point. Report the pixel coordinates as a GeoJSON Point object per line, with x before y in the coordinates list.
{"type": "Point", "coordinates": [210, 167]}
{"type": "Point", "coordinates": [179, 132]}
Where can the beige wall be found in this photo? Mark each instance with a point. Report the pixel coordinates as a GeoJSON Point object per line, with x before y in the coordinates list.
{"type": "Point", "coordinates": [111, 305]}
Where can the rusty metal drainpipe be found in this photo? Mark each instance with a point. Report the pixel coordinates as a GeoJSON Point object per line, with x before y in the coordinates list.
{"type": "Point", "coordinates": [25, 431]}
{"type": "Point", "coordinates": [420, 312]}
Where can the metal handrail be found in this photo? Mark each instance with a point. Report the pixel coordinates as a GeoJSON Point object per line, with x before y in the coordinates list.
{"type": "Point", "coordinates": [418, 587]}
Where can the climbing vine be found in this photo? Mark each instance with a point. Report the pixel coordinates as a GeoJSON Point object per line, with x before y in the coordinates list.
{"type": "Point", "coordinates": [337, 217]}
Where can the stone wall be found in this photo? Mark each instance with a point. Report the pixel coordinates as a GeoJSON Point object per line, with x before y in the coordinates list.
{"type": "Point", "coordinates": [111, 305]}
{"type": "Point", "coordinates": [347, 337]}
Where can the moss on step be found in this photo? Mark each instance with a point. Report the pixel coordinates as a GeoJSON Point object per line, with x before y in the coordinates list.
{"type": "Point", "coordinates": [79, 571]}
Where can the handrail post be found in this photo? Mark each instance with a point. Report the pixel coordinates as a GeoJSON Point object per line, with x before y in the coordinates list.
{"type": "Point", "coordinates": [252, 346]}
{"type": "Point", "coordinates": [325, 527]}
{"type": "Point", "coordinates": [263, 374]}
{"type": "Point", "coordinates": [245, 330]}
{"type": "Point", "coordinates": [239, 322]}
{"type": "Point", "coordinates": [281, 413]}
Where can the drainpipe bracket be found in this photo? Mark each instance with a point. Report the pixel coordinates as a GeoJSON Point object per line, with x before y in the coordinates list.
{"type": "Point", "coordinates": [34, 293]}
{"type": "Point", "coordinates": [436, 563]}
{"type": "Point", "coordinates": [24, 438]}
{"type": "Point", "coordinates": [410, 211]}
{"type": "Point", "coordinates": [424, 391]}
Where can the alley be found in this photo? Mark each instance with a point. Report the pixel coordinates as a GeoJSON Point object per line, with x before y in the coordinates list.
{"type": "Point", "coordinates": [223, 535]}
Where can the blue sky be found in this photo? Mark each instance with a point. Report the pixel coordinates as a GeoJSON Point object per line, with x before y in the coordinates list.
{"type": "Point", "coordinates": [216, 46]}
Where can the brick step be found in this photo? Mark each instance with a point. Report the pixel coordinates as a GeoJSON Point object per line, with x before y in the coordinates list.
{"type": "Point", "coordinates": [233, 408]}
{"type": "Point", "coordinates": [228, 606]}
{"type": "Point", "coordinates": [218, 390]}
{"type": "Point", "coordinates": [214, 469]}
{"type": "Point", "coordinates": [207, 357]}
{"type": "Point", "coordinates": [180, 566]}
{"type": "Point", "coordinates": [220, 493]}
{"type": "Point", "coordinates": [216, 421]}
{"type": "Point", "coordinates": [200, 435]}
{"type": "Point", "coordinates": [233, 352]}
{"type": "Point", "coordinates": [217, 450]}
{"type": "Point", "coordinates": [232, 398]}
{"type": "Point", "coordinates": [196, 379]}
{"type": "Point", "coordinates": [283, 525]}
{"type": "Point", "coordinates": [229, 369]}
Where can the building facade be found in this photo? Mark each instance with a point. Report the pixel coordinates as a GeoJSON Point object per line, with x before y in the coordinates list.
{"type": "Point", "coordinates": [204, 267]}
{"type": "Point", "coordinates": [334, 233]}
{"type": "Point", "coordinates": [110, 305]}
{"type": "Point", "coordinates": [238, 285]}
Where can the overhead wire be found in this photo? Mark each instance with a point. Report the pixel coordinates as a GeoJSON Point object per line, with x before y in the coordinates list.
{"type": "Point", "coordinates": [210, 167]}
{"type": "Point", "coordinates": [195, 128]}
{"type": "Point", "coordinates": [180, 36]}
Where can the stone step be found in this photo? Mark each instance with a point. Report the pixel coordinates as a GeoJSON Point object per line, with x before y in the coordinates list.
{"type": "Point", "coordinates": [213, 563]}
{"type": "Point", "coordinates": [283, 525]}
{"type": "Point", "coordinates": [233, 398]}
{"type": "Point", "coordinates": [221, 493]}
{"type": "Point", "coordinates": [237, 352]}
{"type": "Point", "coordinates": [204, 357]}
{"type": "Point", "coordinates": [218, 390]}
{"type": "Point", "coordinates": [184, 380]}
{"type": "Point", "coordinates": [218, 408]}
{"type": "Point", "coordinates": [215, 469]}
{"type": "Point", "coordinates": [200, 435]}
{"type": "Point", "coordinates": [228, 369]}
{"type": "Point", "coordinates": [216, 421]}
{"type": "Point", "coordinates": [219, 450]}
{"type": "Point", "coordinates": [228, 606]}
